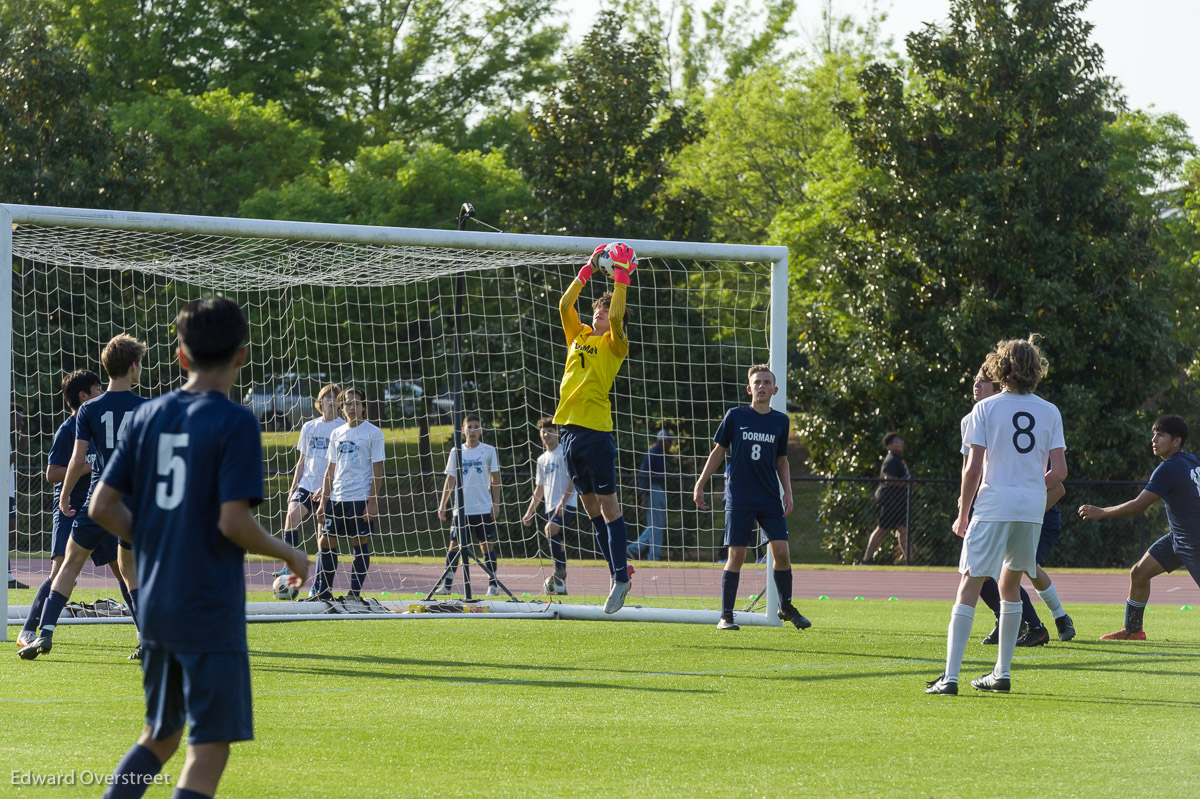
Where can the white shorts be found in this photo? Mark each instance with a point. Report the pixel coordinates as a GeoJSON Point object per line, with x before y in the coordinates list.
{"type": "Point", "coordinates": [988, 546]}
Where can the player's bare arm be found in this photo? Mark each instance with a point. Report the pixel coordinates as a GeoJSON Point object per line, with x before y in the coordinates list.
{"type": "Point", "coordinates": [710, 466]}
{"type": "Point", "coordinates": [1058, 468]}
{"type": "Point", "coordinates": [972, 474]}
{"type": "Point", "coordinates": [1054, 494]}
{"type": "Point", "coordinates": [495, 485]}
{"type": "Point", "coordinates": [326, 490]}
{"type": "Point", "coordinates": [55, 473]}
{"type": "Point", "coordinates": [538, 493]}
{"type": "Point", "coordinates": [567, 494]}
{"type": "Point", "coordinates": [76, 469]}
{"type": "Point", "coordinates": [372, 510]}
{"type": "Point", "coordinates": [447, 487]}
{"type": "Point", "coordinates": [108, 511]}
{"type": "Point", "coordinates": [240, 527]}
{"type": "Point", "coordinates": [1133, 507]}
{"type": "Point", "coordinates": [784, 470]}
{"type": "Point", "coordinates": [296, 475]}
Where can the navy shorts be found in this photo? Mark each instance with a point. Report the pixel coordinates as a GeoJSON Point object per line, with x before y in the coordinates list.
{"type": "Point", "coordinates": [346, 519]}
{"type": "Point", "coordinates": [1171, 557]}
{"type": "Point", "coordinates": [104, 553]}
{"type": "Point", "coordinates": [1047, 541]}
{"type": "Point", "coordinates": [90, 535]}
{"type": "Point", "coordinates": [303, 496]}
{"type": "Point", "coordinates": [209, 690]}
{"type": "Point", "coordinates": [565, 519]}
{"type": "Point", "coordinates": [482, 527]}
{"type": "Point", "coordinates": [741, 524]}
{"type": "Point", "coordinates": [591, 457]}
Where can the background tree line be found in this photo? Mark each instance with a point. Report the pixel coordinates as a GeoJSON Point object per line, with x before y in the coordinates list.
{"type": "Point", "coordinates": [992, 184]}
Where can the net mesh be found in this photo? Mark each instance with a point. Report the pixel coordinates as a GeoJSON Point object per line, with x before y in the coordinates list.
{"type": "Point", "coordinates": [382, 317]}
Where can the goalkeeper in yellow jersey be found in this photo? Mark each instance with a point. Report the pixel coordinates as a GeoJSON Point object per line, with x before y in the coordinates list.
{"type": "Point", "coordinates": [594, 355]}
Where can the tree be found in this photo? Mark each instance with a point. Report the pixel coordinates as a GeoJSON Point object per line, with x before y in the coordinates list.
{"type": "Point", "coordinates": [600, 144]}
{"type": "Point", "coordinates": [212, 152]}
{"type": "Point", "coordinates": [996, 215]}
{"type": "Point", "coordinates": [56, 147]}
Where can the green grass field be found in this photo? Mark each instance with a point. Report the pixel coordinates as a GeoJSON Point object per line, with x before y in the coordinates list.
{"type": "Point", "coordinates": [454, 708]}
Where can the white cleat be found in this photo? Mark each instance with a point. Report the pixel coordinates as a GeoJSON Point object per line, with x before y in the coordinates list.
{"type": "Point", "coordinates": [616, 597]}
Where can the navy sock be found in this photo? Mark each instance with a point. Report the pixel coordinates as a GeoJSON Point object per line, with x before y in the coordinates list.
{"type": "Point", "coordinates": [35, 610]}
{"type": "Point", "coordinates": [184, 793]}
{"type": "Point", "coordinates": [51, 611]}
{"type": "Point", "coordinates": [1028, 614]}
{"type": "Point", "coordinates": [362, 562]}
{"type": "Point", "coordinates": [618, 540]}
{"type": "Point", "coordinates": [491, 559]}
{"type": "Point", "coordinates": [133, 606]}
{"type": "Point", "coordinates": [783, 584]}
{"type": "Point", "coordinates": [292, 537]}
{"type": "Point", "coordinates": [558, 553]}
{"type": "Point", "coordinates": [133, 773]}
{"type": "Point", "coordinates": [452, 557]}
{"type": "Point", "coordinates": [326, 566]}
{"type": "Point", "coordinates": [989, 592]}
{"type": "Point", "coordinates": [1133, 615]}
{"type": "Point", "coordinates": [601, 529]}
{"type": "Point", "coordinates": [729, 588]}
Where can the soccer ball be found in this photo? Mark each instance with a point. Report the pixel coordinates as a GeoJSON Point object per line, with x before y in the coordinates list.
{"type": "Point", "coordinates": [283, 590]}
{"type": "Point", "coordinates": [615, 254]}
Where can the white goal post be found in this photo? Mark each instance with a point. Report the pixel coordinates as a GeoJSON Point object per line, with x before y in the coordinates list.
{"type": "Point", "coordinates": [376, 307]}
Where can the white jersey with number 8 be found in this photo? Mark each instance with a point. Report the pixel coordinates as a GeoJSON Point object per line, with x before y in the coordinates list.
{"type": "Point", "coordinates": [1019, 431]}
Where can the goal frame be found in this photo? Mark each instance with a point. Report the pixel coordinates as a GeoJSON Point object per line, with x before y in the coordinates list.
{"type": "Point", "coordinates": [12, 215]}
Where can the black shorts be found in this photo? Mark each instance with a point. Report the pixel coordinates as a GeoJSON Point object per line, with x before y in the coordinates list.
{"type": "Point", "coordinates": [302, 496]}
{"type": "Point", "coordinates": [481, 527]}
{"type": "Point", "coordinates": [741, 524]}
{"type": "Point", "coordinates": [210, 690]}
{"type": "Point", "coordinates": [591, 457]}
{"type": "Point", "coordinates": [893, 510]}
{"type": "Point", "coordinates": [1167, 552]}
{"type": "Point", "coordinates": [563, 520]}
{"type": "Point", "coordinates": [346, 519]}
{"type": "Point", "coordinates": [104, 553]}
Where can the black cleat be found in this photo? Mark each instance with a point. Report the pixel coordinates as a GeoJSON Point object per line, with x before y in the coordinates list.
{"type": "Point", "coordinates": [990, 682]}
{"type": "Point", "coordinates": [1066, 628]}
{"type": "Point", "coordinates": [941, 686]}
{"type": "Point", "coordinates": [14, 583]}
{"type": "Point", "coordinates": [1035, 636]}
{"type": "Point", "coordinates": [727, 622]}
{"type": "Point", "coordinates": [788, 612]}
{"type": "Point", "coordinates": [992, 638]}
{"type": "Point", "coordinates": [40, 646]}
{"type": "Point", "coordinates": [137, 653]}
{"type": "Point", "coordinates": [326, 597]}
{"type": "Point", "coordinates": [353, 596]}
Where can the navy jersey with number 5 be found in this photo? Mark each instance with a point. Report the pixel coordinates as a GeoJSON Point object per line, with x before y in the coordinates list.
{"type": "Point", "coordinates": [183, 455]}
{"type": "Point", "coordinates": [102, 422]}
{"type": "Point", "coordinates": [753, 441]}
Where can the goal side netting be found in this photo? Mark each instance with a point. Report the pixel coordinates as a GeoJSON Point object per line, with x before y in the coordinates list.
{"type": "Point", "coordinates": [405, 315]}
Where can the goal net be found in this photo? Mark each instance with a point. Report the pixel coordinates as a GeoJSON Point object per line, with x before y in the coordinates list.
{"type": "Point", "coordinates": [405, 315]}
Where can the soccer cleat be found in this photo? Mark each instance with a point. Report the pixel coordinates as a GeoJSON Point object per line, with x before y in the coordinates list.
{"type": "Point", "coordinates": [313, 597]}
{"type": "Point", "coordinates": [1124, 635]}
{"type": "Point", "coordinates": [442, 590]}
{"type": "Point", "coordinates": [137, 653]}
{"type": "Point", "coordinates": [550, 586]}
{"type": "Point", "coordinates": [1066, 628]}
{"type": "Point", "coordinates": [727, 622]}
{"type": "Point", "coordinates": [493, 590]}
{"type": "Point", "coordinates": [942, 686]}
{"type": "Point", "coordinates": [13, 582]}
{"type": "Point", "coordinates": [284, 572]}
{"type": "Point", "coordinates": [616, 596]}
{"type": "Point", "coordinates": [990, 682]}
{"type": "Point", "coordinates": [25, 638]}
{"type": "Point", "coordinates": [353, 596]}
{"type": "Point", "coordinates": [1035, 636]}
{"type": "Point", "coordinates": [560, 587]}
{"type": "Point", "coordinates": [789, 612]}
{"type": "Point", "coordinates": [992, 638]}
{"type": "Point", "coordinates": [39, 646]}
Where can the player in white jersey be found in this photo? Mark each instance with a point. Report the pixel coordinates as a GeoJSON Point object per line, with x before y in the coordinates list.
{"type": "Point", "coordinates": [349, 496]}
{"type": "Point", "coordinates": [553, 485]}
{"type": "Point", "coordinates": [309, 475]}
{"type": "Point", "coordinates": [481, 496]}
{"type": "Point", "coordinates": [1011, 436]}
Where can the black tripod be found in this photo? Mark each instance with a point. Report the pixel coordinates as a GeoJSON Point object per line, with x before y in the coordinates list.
{"type": "Point", "coordinates": [466, 551]}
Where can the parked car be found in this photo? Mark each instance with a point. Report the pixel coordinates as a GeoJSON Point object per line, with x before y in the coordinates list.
{"type": "Point", "coordinates": [407, 398]}
{"type": "Point", "coordinates": [284, 401]}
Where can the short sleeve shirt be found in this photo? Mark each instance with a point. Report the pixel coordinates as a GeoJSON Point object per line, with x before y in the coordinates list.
{"type": "Point", "coordinates": [552, 476]}
{"type": "Point", "coordinates": [313, 444]}
{"type": "Point", "coordinates": [479, 462]}
{"type": "Point", "coordinates": [354, 451]}
{"type": "Point", "coordinates": [1177, 481]}
{"type": "Point", "coordinates": [753, 441]}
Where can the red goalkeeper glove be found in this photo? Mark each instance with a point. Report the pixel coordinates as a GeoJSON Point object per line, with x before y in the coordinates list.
{"type": "Point", "coordinates": [624, 262]}
{"type": "Point", "coordinates": [585, 272]}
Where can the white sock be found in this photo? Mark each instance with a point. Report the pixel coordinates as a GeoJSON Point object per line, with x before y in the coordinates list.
{"type": "Point", "coordinates": [1050, 597]}
{"type": "Point", "coordinates": [957, 635]}
{"type": "Point", "coordinates": [1010, 625]}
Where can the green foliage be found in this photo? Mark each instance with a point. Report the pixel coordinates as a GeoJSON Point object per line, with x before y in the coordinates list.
{"type": "Point", "coordinates": [997, 216]}
{"type": "Point", "coordinates": [600, 144]}
{"type": "Point", "coordinates": [56, 148]}
{"type": "Point", "coordinates": [212, 152]}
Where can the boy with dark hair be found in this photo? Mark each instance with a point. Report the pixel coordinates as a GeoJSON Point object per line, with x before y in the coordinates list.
{"type": "Point", "coordinates": [349, 496]}
{"type": "Point", "coordinates": [100, 424]}
{"type": "Point", "coordinates": [891, 497]}
{"type": "Point", "coordinates": [758, 491]}
{"type": "Point", "coordinates": [191, 467]}
{"type": "Point", "coordinates": [481, 497]}
{"type": "Point", "coordinates": [553, 484]}
{"type": "Point", "coordinates": [594, 356]}
{"type": "Point", "coordinates": [1176, 481]}
{"type": "Point", "coordinates": [77, 387]}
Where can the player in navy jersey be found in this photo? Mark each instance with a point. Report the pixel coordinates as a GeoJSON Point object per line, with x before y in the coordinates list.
{"type": "Point", "coordinates": [1176, 481]}
{"type": "Point", "coordinates": [758, 491]}
{"type": "Point", "coordinates": [190, 467]}
{"type": "Point", "coordinates": [313, 445]}
{"type": "Point", "coordinates": [77, 387]}
{"type": "Point", "coordinates": [99, 424]}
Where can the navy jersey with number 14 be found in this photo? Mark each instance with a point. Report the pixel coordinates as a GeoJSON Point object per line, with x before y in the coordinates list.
{"type": "Point", "coordinates": [753, 441]}
{"type": "Point", "coordinates": [102, 421]}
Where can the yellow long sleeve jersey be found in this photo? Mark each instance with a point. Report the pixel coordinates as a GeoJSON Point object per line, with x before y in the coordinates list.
{"type": "Point", "coordinates": [592, 362]}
